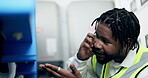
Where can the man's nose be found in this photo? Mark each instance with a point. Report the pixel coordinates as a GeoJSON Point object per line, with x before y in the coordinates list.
{"type": "Point", "coordinates": [97, 44]}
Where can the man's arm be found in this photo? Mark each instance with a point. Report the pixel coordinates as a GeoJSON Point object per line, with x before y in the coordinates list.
{"type": "Point", "coordinates": [82, 60]}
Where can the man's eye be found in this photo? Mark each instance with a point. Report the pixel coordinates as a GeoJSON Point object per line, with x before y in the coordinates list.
{"type": "Point", "coordinates": [106, 41]}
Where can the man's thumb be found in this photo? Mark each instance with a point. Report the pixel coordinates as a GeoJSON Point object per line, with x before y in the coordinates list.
{"type": "Point", "coordinates": [74, 70]}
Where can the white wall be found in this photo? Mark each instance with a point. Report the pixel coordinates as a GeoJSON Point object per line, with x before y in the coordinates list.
{"type": "Point", "coordinates": [141, 13]}
{"type": "Point", "coordinates": [47, 26]}
{"type": "Point", "coordinates": [143, 18]}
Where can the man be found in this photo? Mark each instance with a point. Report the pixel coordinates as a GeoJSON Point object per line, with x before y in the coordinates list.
{"type": "Point", "coordinates": [112, 52]}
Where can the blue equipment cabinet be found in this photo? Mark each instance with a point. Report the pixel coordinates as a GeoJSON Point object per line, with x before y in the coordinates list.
{"type": "Point", "coordinates": [18, 28]}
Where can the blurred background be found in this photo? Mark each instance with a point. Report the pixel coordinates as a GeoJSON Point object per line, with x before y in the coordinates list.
{"type": "Point", "coordinates": [51, 31]}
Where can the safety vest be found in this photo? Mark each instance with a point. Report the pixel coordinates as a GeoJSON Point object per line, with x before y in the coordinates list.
{"type": "Point", "coordinates": [140, 62]}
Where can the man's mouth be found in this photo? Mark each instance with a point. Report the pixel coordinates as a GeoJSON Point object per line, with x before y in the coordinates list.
{"type": "Point", "coordinates": [102, 57]}
{"type": "Point", "coordinates": [97, 51]}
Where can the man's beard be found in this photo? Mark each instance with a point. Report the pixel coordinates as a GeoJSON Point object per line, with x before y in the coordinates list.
{"type": "Point", "coordinates": [102, 57]}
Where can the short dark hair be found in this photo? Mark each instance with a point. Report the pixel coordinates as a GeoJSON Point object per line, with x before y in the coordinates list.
{"type": "Point", "coordinates": [123, 24]}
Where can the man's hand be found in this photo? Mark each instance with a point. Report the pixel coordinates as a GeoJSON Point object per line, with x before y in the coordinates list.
{"type": "Point", "coordinates": [85, 50]}
{"type": "Point", "coordinates": [61, 73]}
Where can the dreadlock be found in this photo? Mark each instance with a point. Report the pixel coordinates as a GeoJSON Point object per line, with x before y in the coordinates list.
{"type": "Point", "coordinates": [123, 24]}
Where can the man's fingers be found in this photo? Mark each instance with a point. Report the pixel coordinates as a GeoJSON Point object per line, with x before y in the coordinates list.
{"type": "Point", "coordinates": [74, 70]}
{"type": "Point", "coordinates": [91, 35]}
{"type": "Point", "coordinates": [89, 40]}
{"type": "Point", "coordinates": [41, 65]}
{"type": "Point", "coordinates": [61, 73]}
{"type": "Point", "coordinates": [50, 68]}
{"type": "Point", "coordinates": [54, 73]}
{"type": "Point", "coordinates": [56, 69]}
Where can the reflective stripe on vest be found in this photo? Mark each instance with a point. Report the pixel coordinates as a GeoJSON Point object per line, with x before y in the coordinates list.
{"type": "Point", "coordinates": [141, 61]}
{"type": "Point", "coordinates": [94, 62]}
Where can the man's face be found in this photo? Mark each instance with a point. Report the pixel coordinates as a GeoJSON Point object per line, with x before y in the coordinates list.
{"type": "Point", "coordinates": [106, 47]}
